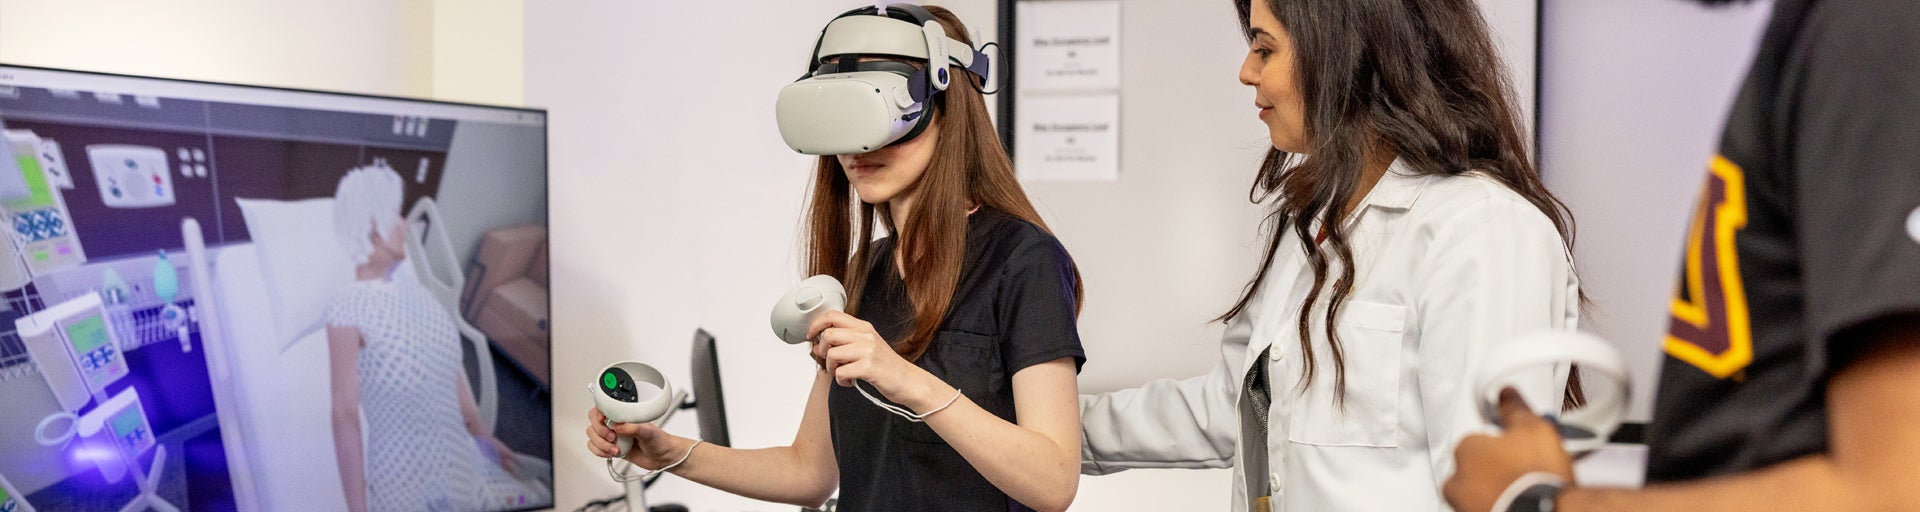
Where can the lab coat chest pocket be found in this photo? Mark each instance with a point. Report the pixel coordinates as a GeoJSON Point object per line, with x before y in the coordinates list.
{"type": "Point", "coordinates": [1370, 337]}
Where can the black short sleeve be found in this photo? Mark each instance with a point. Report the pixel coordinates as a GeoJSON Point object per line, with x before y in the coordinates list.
{"type": "Point", "coordinates": [1037, 305]}
{"type": "Point", "coordinates": [1857, 158]}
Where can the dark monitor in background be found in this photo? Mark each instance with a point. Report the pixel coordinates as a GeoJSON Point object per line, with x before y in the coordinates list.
{"type": "Point", "coordinates": [707, 398]}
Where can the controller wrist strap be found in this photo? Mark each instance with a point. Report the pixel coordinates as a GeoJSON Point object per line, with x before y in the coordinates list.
{"type": "Point", "coordinates": [650, 472]}
{"type": "Point", "coordinates": [902, 411]}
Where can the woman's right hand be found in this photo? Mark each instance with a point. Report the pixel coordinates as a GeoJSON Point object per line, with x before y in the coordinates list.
{"type": "Point", "coordinates": [652, 448]}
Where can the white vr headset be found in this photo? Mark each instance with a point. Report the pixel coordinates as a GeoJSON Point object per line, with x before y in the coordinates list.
{"type": "Point", "coordinates": [847, 106]}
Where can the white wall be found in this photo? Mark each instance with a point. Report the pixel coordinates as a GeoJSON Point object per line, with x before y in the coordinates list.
{"type": "Point", "coordinates": [1514, 24]}
{"type": "Point", "coordinates": [682, 208]}
{"type": "Point", "coordinates": [678, 204]}
{"type": "Point", "coordinates": [675, 206]}
{"type": "Point", "coordinates": [679, 209]}
{"type": "Point", "coordinates": [1635, 93]}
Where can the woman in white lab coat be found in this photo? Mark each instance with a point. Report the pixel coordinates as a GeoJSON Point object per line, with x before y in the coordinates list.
{"type": "Point", "coordinates": [1410, 234]}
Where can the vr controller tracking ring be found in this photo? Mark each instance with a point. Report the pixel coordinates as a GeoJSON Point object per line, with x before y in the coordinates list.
{"type": "Point", "coordinates": [1607, 406]}
{"type": "Point", "coordinates": [615, 394]}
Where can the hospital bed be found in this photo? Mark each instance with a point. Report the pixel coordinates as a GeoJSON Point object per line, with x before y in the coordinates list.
{"type": "Point", "coordinates": [272, 387]}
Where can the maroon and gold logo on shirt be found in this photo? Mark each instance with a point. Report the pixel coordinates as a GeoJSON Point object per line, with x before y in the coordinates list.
{"type": "Point", "coordinates": [1710, 328]}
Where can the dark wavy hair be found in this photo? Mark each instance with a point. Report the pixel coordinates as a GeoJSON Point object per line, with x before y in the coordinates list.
{"type": "Point", "coordinates": [1420, 79]}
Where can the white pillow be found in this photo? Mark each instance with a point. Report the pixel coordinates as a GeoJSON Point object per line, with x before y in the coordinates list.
{"type": "Point", "coordinates": [301, 259]}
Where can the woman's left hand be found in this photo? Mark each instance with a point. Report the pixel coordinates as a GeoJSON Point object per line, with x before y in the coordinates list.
{"type": "Point", "coordinates": [854, 351]}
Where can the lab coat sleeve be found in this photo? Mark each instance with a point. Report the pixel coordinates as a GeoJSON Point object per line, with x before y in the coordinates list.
{"type": "Point", "coordinates": [1167, 423]}
{"type": "Point", "coordinates": [1494, 270]}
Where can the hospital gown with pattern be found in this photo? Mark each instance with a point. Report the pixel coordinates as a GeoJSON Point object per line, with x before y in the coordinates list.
{"type": "Point", "coordinates": [419, 454]}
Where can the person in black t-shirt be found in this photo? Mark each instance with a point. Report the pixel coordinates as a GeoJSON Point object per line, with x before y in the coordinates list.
{"type": "Point", "coordinates": [1793, 350]}
{"type": "Point", "coordinates": [950, 382]}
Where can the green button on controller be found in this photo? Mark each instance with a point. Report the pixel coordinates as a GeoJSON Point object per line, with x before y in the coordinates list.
{"type": "Point", "coordinates": [608, 380]}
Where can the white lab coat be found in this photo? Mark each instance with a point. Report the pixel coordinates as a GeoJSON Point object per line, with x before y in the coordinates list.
{"type": "Point", "coordinates": [1449, 266]}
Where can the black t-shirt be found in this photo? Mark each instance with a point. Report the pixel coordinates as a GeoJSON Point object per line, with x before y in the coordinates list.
{"type": "Point", "coordinates": [1013, 308]}
{"type": "Point", "coordinates": [1808, 227]}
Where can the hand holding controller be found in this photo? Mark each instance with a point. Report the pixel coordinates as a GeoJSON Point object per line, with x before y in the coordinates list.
{"type": "Point", "coordinates": [1581, 430]}
{"type": "Point", "coordinates": [795, 311]}
{"type": "Point", "coordinates": [616, 394]}
{"type": "Point", "coordinates": [793, 317]}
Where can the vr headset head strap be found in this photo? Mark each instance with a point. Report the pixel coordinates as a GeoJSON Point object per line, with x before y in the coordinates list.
{"type": "Point", "coordinates": [937, 47]}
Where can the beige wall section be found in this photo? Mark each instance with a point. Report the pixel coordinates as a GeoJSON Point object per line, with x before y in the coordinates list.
{"type": "Point", "coordinates": [479, 51]}
{"type": "Point", "coordinates": [453, 50]}
{"type": "Point", "coordinates": [364, 46]}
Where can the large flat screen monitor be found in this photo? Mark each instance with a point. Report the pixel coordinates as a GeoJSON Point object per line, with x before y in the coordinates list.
{"type": "Point", "coordinates": [316, 297]}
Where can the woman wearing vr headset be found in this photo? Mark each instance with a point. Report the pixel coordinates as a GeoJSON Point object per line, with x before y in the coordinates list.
{"type": "Point", "coordinates": [963, 319]}
{"type": "Point", "coordinates": [1410, 233]}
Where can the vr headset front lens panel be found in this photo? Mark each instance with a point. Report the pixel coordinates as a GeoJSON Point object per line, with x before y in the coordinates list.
{"type": "Point", "coordinates": [846, 113]}
{"type": "Point", "coordinates": [825, 113]}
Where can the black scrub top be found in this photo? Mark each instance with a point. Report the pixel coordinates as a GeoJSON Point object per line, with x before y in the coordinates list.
{"type": "Point", "coordinates": [1013, 308]}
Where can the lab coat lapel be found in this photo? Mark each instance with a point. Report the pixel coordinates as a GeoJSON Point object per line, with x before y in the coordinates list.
{"type": "Point", "coordinates": [1279, 301]}
{"type": "Point", "coordinates": [1276, 307]}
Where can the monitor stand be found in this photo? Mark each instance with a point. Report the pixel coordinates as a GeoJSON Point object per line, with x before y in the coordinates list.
{"type": "Point", "coordinates": [149, 482]}
{"type": "Point", "coordinates": [636, 495]}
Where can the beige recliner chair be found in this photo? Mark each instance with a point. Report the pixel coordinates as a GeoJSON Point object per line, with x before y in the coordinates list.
{"type": "Point", "coordinates": [506, 296]}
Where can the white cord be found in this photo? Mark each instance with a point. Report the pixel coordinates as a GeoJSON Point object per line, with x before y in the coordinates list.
{"type": "Point", "coordinates": [902, 411]}
{"type": "Point", "coordinates": [651, 472]}
{"type": "Point", "coordinates": [73, 428]}
{"type": "Point", "coordinates": [1521, 485]}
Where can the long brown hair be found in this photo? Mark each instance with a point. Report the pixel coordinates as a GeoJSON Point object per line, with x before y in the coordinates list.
{"type": "Point", "coordinates": [969, 168]}
{"type": "Point", "coordinates": [1418, 78]}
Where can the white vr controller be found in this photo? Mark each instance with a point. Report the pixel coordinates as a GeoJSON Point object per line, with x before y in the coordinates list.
{"type": "Point", "coordinates": [616, 390]}
{"type": "Point", "coordinates": [1582, 430]}
{"type": "Point", "coordinates": [617, 395]}
{"type": "Point", "coordinates": [795, 311]}
{"type": "Point", "coordinates": [793, 315]}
